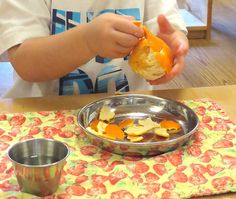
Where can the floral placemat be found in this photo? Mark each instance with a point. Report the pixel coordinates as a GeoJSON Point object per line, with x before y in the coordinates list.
{"type": "Point", "coordinates": [205, 166]}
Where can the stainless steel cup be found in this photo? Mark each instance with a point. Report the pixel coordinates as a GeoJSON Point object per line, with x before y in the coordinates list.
{"type": "Point", "coordinates": [38, 164]}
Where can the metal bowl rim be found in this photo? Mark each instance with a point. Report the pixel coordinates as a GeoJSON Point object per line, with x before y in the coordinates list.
{"type": "Point", "coordinates": [143, 144]}
{"type": "Point", "coordinates": [38, 166]}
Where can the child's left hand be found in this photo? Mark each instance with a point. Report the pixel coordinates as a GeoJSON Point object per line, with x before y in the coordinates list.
{"type": "Point", "coordinates": [178, 42]}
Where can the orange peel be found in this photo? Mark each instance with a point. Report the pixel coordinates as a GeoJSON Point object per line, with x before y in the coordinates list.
{"type": "Point", "coordinates": [126, 123]}
{"type": "Point", "coordinates": [171, 126]}
{"type": "Point", "coordinates": [94, 124]}
{"type": "Point", "coordinates": [114, 131]}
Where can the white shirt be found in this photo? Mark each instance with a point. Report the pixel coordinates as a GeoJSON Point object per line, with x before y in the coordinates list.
{"type": "Point", "coordinates": [21, 20]}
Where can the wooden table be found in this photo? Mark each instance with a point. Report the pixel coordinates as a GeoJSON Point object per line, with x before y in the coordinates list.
{"type": "Point", "coordinates": [225, 96]}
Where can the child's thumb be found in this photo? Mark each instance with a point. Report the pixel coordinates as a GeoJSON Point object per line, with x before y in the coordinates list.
{"type": "Point", "coordinates": [164, 25]}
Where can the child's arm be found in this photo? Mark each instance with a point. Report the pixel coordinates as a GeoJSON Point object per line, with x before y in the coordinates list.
{"type": "Point", "coordinates": [47, 58]}
{"type": "Point", "coordinates": [179, 44]}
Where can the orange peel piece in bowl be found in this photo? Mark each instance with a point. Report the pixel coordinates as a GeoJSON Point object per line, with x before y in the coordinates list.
{"type": "Point", "coordinates": [135, 138]}
{"type": "Point", "coordinates": [136, 130]}
{"type": "Point", "coordinates": [148, 123]}
{"type": "Point", "coordinates": [106, 114]}
{"type": "Point", "coordinates": [93, 131]}
{"type": "Point", "coordinates": [161, 132]}
{"type": "Point", "coordinates": [94, 124]}
{"type": "Point", "coordinates": [100, 134]}
{"type": "Point", "coordinates": [171, 126]}
{"type": "Point", "coordinates": [101, 127]}
{"type": "Point", "coordinates": [126, 123]}
{"type": "Point", "coordinates": [152, 57]}
{"type": "Point", "coordinates": [113, 130]}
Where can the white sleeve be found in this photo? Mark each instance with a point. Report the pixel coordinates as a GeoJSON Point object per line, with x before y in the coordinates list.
{"type": "Point", "coordinates": [169, 8]}
{"type": "Point", "coordinates": [21, 20]}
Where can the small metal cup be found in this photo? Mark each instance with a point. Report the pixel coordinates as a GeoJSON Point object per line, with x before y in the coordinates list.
{"type": "Point", "coordinates": [38, 164]}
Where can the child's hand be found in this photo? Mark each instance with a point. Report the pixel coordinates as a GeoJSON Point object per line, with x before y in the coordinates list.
{"type": "Point", "coordinates": [112, 36]}
{"type": "Point", "coordinates": [178, 42]}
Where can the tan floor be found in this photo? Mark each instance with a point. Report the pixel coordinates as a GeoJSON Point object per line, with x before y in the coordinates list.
{"type": "Point", "coordinates": [207, 64]}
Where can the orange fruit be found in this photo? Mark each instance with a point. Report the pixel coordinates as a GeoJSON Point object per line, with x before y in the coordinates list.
{"type": "Point", "coordinates": [151, 58]}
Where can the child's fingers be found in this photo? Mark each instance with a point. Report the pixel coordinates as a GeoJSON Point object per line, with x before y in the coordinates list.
{"type": "Point", "coordinates": [123, 50]}
{"type": "Point", "coordinates": [161, 80]}
{"type": "Point", "coordinates": [118, 51]}
{"type": "Point", "coordinates": [129, 28]}
{"type": "Point", "coordinates": [164, 25]}
{"type": "Point", "coordinates": [182, 50]}
{"type": "Point", "coordinates": [178, 48]}
{"type": "Point", "coordinates": [176, 70]}
{"type": "Point", "coordinates": [178, 66]}
{"type": "Point", "coordinates": [125, 40]}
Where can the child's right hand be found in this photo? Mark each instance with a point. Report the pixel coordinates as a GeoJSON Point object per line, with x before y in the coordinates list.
{"type": "Point", "coordinates": [112, 36]}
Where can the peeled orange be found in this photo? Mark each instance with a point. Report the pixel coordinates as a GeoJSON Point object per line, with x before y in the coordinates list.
{"type": "Point", "coordinates": [152, 57]}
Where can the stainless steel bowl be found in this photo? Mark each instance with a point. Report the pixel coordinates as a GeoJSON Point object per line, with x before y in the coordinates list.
{"type": "Point", "coordinates": [138, 106]}
{"type": "Point", "coordinates": [38, 164]}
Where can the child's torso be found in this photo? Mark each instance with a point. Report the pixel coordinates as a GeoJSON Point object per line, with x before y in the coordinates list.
{"type": "Point", "coordinates": [100, 74]}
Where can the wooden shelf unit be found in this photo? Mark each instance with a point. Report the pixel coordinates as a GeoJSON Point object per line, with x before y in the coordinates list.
{"type": "Point", "coordinates": [198, 17]}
